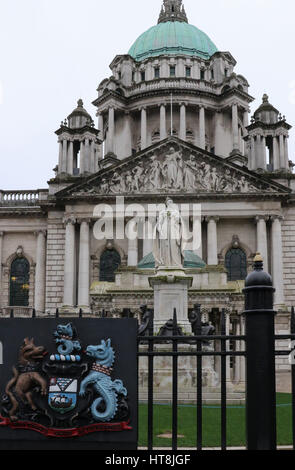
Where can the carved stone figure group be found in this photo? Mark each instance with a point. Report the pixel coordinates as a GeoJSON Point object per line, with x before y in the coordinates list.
{"type": "Point", "coordinates": [175, 172]}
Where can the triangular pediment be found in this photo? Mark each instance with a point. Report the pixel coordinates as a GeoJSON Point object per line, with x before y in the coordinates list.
{"type": "Point", "coordinates": [173, 167]}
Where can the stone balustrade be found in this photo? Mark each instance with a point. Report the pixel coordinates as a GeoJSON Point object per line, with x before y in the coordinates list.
{"type": "Point", "coordinates": [164, 84]}
{"type": "Point", "coordinates": [22, 198]}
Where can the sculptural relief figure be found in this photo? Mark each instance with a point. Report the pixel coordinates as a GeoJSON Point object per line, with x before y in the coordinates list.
{"type": "Point", "coordinates": [117, 184]}
{"type": "Point", "coordinates": [179, 178]}
{"type": "Point", "coordinates": [189, 174]}
{"type": "Point", "coordinates": [169, 237]}
{"type": "Point", "coordinates": [136, 176]}
{"type": "Point", "coordinates": [171, 168]}
{"type": "Point", "coordinates": [155, 174]}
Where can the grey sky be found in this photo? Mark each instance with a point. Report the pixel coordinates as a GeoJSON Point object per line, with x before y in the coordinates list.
{"type": "Point", "coordinates": [56, 51]}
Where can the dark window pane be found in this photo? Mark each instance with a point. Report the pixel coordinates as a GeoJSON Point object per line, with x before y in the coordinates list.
{"type": "Point", "coordinates": [19, 283]}
{"type": "Point", "coordinates": [110, 260]}
{"type": "Point", "coordinates": [236, 264]}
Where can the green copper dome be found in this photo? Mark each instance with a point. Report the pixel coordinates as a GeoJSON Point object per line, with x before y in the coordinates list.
{"type": "Point", "coordinates": [172, 37]}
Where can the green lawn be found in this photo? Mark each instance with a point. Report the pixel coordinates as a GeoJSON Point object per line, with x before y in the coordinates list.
{"type": "Point", "coordinates": [211, 424]}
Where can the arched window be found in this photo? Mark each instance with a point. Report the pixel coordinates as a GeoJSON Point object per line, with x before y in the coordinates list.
{"type": "Point", "coordinates": [236, 264]}
{"type": "Point", "coordinates": [110, 260]}
{"type": "Point", "coordinates": [19, 283]}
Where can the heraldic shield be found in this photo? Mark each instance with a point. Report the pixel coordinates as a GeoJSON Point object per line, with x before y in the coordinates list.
{"type": "Point", "coordinates": [66, 393]}
{"type": "Point", "coordinates": [62, 396]}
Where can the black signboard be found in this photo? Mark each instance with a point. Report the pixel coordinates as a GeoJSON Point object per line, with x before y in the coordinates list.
{"type": "Point", "coordinates": [68, 384]}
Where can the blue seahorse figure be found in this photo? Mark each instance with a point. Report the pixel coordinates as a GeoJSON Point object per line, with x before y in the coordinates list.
{"type": "Point", "coordinates": [65, 335]}
{"type": "Point", "coordinates": [103, 385]}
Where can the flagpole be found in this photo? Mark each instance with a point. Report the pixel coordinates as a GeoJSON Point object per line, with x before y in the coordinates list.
{"type": "Point", "coordinates": [171, 114]}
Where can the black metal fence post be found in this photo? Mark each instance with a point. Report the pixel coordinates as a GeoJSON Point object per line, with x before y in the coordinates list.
{"type": "Point", "coordinates": [260, 370]}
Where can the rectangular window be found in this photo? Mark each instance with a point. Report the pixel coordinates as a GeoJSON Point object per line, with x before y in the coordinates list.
{"type": "Point", "coordinates": [212, 74]}
{"type": "Point", "coordinates": [202, 74]}
{"type": "Point", "coordinates": [157, 72]}
{"type": "Point", "coordinates": [172, 71]}
{"type": "Point", "coordinates": [188, 72]}
{"type": "Point", "coordinates": [142, 76]}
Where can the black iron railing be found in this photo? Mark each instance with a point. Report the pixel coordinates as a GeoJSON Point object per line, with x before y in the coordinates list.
{"type": "Point", "coordinates": [260, 371]}
{"type": "Point", "coordinates": [198, 341]}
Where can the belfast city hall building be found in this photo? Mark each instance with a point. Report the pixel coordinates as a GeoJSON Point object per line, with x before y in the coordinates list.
{"type": "Point", "coordinates": [172, 120]}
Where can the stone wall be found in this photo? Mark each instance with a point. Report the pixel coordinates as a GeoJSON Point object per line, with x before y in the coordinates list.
{"type": "Point", "coordinates": [288, 239]}
{"type": "Point", "coordinates": [55, 261]}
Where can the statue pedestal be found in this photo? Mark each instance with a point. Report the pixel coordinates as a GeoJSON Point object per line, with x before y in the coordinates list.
{"type": "Point", "coordinates": [171, 286]}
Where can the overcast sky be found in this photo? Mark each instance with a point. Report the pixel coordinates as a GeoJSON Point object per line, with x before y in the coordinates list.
{"type": "Point", "coordinates": [55, 51]}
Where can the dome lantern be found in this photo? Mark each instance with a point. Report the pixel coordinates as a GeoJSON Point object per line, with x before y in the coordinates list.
{"type": "Point", "coordinates": [172, 10]}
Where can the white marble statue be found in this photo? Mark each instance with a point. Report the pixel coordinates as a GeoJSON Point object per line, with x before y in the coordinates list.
{"type": "Point", "coordinates": [169, 237]}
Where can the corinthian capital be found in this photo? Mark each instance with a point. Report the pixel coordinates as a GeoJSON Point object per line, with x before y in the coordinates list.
{"type": "Point", "coordinates": [215, 218]}
{"type": "Point", "coordinates": [275, 217]}
{"type": "Point", "coordinates": [69, 219]}
{"type": "Point", "coordinates": [261, 217]}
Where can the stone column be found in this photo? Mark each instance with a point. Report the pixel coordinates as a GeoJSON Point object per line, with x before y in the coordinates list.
{"type": "Point", "coordinates": [263, 150]}
{"type": "Point", "coordinates": [133, 252]}
{"type": "Point", "coordinates": [70, 164]}
{"type": "Point", "coordinates": [92, 157]}
{"type": "Point", "coordinates": [148, 240]}
{"type": "Point", "coordinates": [163, 125]}
{"type": "Point", "coordinates": [282, 152]}
{"type": "Point", "coordinates": [84, 264]}
{"type": "Point", "coordinates": [64, 156]}
{"type": "Point", "coordinates": [82, 157]}
{"type": "Point", "coordinates": [100, 126]}
{"type": "Point", "coordinates": [218, 133]}
{"type": "Point", "coordinates": [127, 140]}
{"type": "Point", "coordinates": [70, 262]}
{"type": "Point", "coordinates": [246, 118]}
{"type": "Point", "coordinates": [235, 126]}
{"type": "Point", "coordinates": [252, 162]}
{"type": "Point", "coordinates": [212, 241]}
{"type": "Point", "coordinates": [40, 273]}
{"type": "Point", "coordinates": [262, 239]}
{"type": "Point", "coordinates": [276, 154]}
{"type": "Point", "coordinates": [111, 132]}
{"type": "Point", "coordinates": [202, 128]}
{"type": "Point", "coordinates": [60, 156]}
{"type": "Point", "coordinates": [143, 128]}
{"type": "Point", "coordinates": [286, 153]}
{"type": "Point", "coordinates": [197, 230]}
{"type": "Point", "coordinates": [1, 257]}
{"type": "Point", "coordinates": [182, 128]}
{"type": "Point", "coordinates": [132, 229]}
{"type": "Point", "coordinates": [277, 259]}
{"type": "Point", "coordinates": [87, 155]}
{"type": "Point", "coordinates": [259, 152]}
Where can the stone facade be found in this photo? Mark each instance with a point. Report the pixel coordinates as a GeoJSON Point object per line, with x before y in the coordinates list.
{"type": "Point", "coordinates": [173, 124]}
